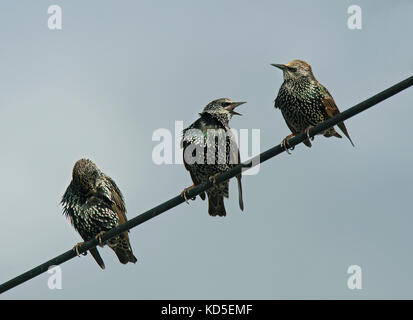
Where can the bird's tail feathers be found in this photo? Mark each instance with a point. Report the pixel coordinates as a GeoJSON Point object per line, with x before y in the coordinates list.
{"type": "Point", "coordinates": [124, 255]}
{"type": "Point", "coordinates": [240, 200]}
{"type": "Point", "coordinates": [121, 246]}
{"type": "Point", "coordinates": [95, 254]}
{"type": "Point", "coordinates": [343, 128]}
{"type": "Point", "coordinates": [216, 205]}
{"type": "Point", "coordinates": [307, 143]}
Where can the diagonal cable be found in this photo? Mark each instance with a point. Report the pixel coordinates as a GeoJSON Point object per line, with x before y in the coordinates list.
{"type": "Point", "coordinates": [177, 200]}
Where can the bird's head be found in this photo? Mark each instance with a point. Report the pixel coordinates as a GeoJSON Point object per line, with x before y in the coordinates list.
{"type": "Point", "coordinates": [296, 70]}
{"type": "Point", "coordinates": [222, 108]}
{"type": "Point", "coordinates": [84, 174]}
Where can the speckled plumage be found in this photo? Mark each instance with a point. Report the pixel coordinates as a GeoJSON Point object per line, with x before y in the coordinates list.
{"type": "Point", "coordinates": [304, 102]}
{"type": "Point", "coordinates": [94, 204]}
{"type": "Point", "coordinates": [223, 151]}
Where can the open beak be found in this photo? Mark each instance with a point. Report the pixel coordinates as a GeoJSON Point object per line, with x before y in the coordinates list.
{"type": "Point", "coordinates": [233, 105]}
{"type": "Point", "coordinates": [279, 66]}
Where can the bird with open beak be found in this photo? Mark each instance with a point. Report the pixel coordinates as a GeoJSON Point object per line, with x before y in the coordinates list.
{"type": "Point", "coordinates": [211, 134]}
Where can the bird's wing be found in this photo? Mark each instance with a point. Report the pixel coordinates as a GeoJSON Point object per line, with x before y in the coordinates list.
{"type": "Point", "coordinates": [331, 109]}
{"type": "Point", "coordinates": [118, 204]}
{"type": "Point", "coordinates": [233, 151]}
{"type": "Point", "coordinates": [328, 103]}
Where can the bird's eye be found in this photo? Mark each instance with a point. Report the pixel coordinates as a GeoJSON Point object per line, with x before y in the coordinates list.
{"type": "Point", "coordinates": [226, 104]}
{"type": "Point", "coordinates": [292, 69]}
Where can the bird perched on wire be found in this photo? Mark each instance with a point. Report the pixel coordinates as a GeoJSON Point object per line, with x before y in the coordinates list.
{"type": "Point", "coordinates": [94, 205]}
{"type": "Point", "coordinates": [304, 102]}
{"type": "Point", "coordinates": [210, 148]}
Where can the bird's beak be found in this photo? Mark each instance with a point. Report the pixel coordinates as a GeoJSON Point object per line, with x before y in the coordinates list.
{"type": "Point", "coordinates": [233, 105]}
{"type": "Point", "coordinates": [279, 66]}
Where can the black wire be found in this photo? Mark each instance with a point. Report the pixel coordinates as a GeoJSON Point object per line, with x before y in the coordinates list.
{"type": "Point", "coordinates": [175, 201]}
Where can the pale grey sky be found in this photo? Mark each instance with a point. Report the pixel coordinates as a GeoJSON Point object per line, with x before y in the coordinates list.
{"type": "Point", "coordinates": [117, 71]}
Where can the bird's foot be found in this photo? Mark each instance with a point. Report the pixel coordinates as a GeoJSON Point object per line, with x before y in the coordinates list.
{"type": "Point", "coordinates": [99, 238]}
{"type": "Point", "coordinates": [213, 178]}
{"type": "Point", "coordinates": [183, 193]}
{"type": "Point", "coordinates": [76, 249]}
{"type": "Point", "coordinates": [307, 132]}
{"type": "Point", "coordinates": [285, 144]}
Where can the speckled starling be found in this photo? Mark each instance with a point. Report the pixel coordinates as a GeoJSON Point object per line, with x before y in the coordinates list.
{"type": "Point", "coordinates": [304, 102]}
{"type": "Point", "coordinates": [210, 148]}
{"type": "Point", "coordinates": [94, 205]}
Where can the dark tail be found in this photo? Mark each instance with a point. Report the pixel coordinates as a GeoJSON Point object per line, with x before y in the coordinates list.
{"type": "Point", "coordinates": [95, 254]}
{"type": "Point", "coordinates": [241, 202]}
{"type": "Point", "coordinates": [216, 205]}
{"type": "Point", "coordinates": [307, 143]}
{"type": "Point", "coordinates": [123, 249]}
{"type": "Point", "coordinates": [124, 255]}
{"type": "Point", "coordinates": [343, 128]}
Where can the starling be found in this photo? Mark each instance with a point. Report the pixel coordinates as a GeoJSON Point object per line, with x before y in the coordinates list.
{"type": "Point", "coordinates": [94, 205]}
{"type": "Point", "coordinates": [304, 102]}
{"type": "Point", "coordinates": [210, 148]}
